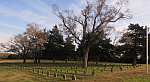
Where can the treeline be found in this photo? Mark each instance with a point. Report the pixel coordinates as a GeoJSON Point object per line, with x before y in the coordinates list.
{"type": "Point", "coordinates": [53, 44]}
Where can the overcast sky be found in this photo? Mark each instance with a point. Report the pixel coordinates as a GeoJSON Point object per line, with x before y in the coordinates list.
{"type": "Point", "coordinates": [16, 14]}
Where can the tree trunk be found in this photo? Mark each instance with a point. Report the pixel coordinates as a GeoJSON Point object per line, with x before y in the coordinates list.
{"type": "Point", "coordinates": [35, 60]}
{"type": "Point", "coordinates": [97, 60]}
{"type": "Point", "coordinates": [35, 57]}
{"type": "Point", "coordinates": [134, 56]}
{"type": "Point", "coordinates": [38, 58]}
{"type": "Point", "coordinates": [39, 54]}
{"type": "Point", "coordinates": [86, 54]}
{"type": "Point", "coordinates": [24, 60]}
{"type": "Point", "coordinates": [39, 61]}
{"type": "Point", "coordinates": [134, 62]}
{"type": "Point", "coordinates": [53, 60]}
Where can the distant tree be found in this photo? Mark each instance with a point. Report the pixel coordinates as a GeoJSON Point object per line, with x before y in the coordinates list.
{"type": "Point", "coordinates": [134, 42]}
{"type": "Point", "coordinates": [88, 26]}
{"type": "Point", "coordinates": [20, 45]}
{"type": "Point", "coordinates": [28, 43]}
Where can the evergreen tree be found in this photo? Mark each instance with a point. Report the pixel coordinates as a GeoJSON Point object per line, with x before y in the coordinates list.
{"type": "Point", "coordinates": [69, 48]}
{"type": "Point", "coordinates": [55, 44]}
{"type": "Point", "coordinates": [134, 42]}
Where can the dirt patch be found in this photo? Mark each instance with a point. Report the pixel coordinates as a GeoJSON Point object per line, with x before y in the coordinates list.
{"type": "Point", "coordinates": [9, 61]}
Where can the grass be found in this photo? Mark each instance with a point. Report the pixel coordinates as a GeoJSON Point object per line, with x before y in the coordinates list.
{"type": "Point", "coordinates": [8, 75]}
{"type": "Point", "coordinates": [138, 79]}
{"type": "Point", "coordinates": [134, 75]}
{"type": "Point", "coordinates": [13, 75]}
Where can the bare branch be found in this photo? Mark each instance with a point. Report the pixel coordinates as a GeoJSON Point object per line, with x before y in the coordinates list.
{"type": "Point", "coordinates": [63, 20]}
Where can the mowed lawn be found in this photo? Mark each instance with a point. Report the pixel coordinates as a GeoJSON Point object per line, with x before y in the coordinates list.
{"type": "Point", "coordinates": [131, 75]}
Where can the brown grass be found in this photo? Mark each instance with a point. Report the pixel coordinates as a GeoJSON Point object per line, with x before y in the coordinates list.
{"type": "Point", "coordinates": [7, 75]}
{"type": "Point", "coordinates": [117, 76]}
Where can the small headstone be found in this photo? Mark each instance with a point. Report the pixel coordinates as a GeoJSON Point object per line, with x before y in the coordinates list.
{"type": "Point", "coordinates": [55, 75]}
{"type": "Point", "coordinates": [42, 72]}
{"type": "Point", "coordinates": [121, 68]}
{"type": "Point", "coordinates": [74, 77]}
{"type": "Point", "coordinates": [93, 72]}
{"type": "Point", "coordinates": [33, 70]}
{"type": "Point", "coordinates": [64, 76]}
{"type": "Point", "coordinates": [112, 69]}
{"type": "Point", "coordinates": [48, 74]}
{"type": "Point", "coordinates": [105, 67]}
{"type": "Point", "coordinates": [84, 71]}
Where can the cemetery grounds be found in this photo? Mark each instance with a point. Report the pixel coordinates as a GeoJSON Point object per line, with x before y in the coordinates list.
{"type": "Point", "coordinates": [71, 71]}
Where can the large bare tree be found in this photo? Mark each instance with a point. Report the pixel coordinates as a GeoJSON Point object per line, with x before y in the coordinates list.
{"type": "Point", "coordinates": [89, 25]}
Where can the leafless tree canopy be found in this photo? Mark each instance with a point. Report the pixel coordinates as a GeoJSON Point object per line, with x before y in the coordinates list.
{"type": "Point", "coordinates": [36, 35]}
{"type": "Point", "coordinates": [93, 19]}
{"type": "Point", "coordinates": [31, 39]}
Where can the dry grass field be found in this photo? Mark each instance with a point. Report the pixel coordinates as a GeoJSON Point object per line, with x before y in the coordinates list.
{"type": "Point", "coordinates": [133, 75]}
{"type": "Point", "coordinates": [7, 75]}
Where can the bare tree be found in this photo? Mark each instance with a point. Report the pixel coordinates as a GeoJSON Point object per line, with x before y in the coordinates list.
{"type": "Point", "coordinates": [30, 41]}
{"type": "Point", "coordinates": [88, 26]}
{"type": "Point", "coordinates": [19, 45]}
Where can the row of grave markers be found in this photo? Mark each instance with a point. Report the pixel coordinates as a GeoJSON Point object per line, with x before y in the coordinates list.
{"type": "Point", "coordinates": [73, 76]}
